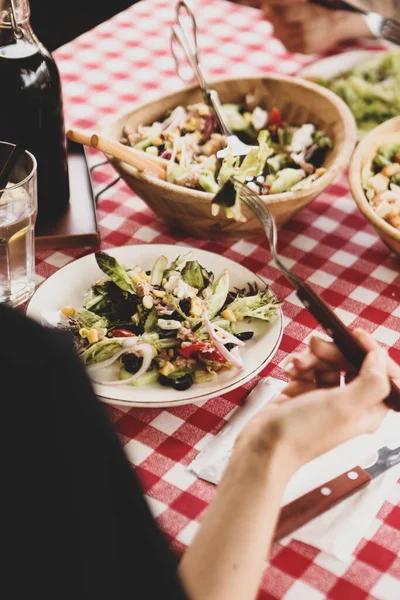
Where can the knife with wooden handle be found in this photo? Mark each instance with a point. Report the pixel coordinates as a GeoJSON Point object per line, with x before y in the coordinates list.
{"type": "Point", "coordinates": [311, 505]}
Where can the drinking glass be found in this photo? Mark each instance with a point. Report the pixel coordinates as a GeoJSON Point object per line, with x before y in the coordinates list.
{"type": "Point", "coordinates": [18, 210]}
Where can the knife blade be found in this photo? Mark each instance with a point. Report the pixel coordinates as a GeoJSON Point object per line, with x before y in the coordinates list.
{"type": "Point", "coordinates": [326, 496]}
{"type": "Point", "coordinates": [339, 5]}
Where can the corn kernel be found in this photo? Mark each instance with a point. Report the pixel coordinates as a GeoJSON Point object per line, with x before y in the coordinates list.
{"type": "Point", "coordinates": [148, 302]}
{"type": "Point", "coordinates": [68, 311]}
{"type": "Point", "coordinates": [171, 352]}
{"type": "Point", "coordinates": [319, 172]}
{"type": "Point", "coordinates": [83, 332]}
{"type": "Point", "coordinates": [144, 277]}
{"type": "Point", "coordinates": [196, 309]}
{"type": "Point", "coordinates": [93, 336]}
{"type": "Point", "coordinates": [135, 277]}
{"type": "Point", "coordinates": [159, 293]}
{"type": "Point", "coordinates": [190, 125]}
{"type": "Point", "coordinates": [152, 150]}
{"type": "Point", "coordinates": [167, 368]}
{"type": "Point", "coordinates": [391, 170]}
{"type": "Point", "coordinates": [229, 315]}
{"type": "Point", "coordinates": [157, 141]}
{"type": "Point", "coordinates": [203, 110]}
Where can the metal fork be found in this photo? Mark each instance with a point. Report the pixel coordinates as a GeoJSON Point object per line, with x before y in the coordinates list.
{"type": "Point", "coordinates": [335, 328]}
{"type": "Point", "coordinates": [191, 51]}
{"type": "Point", "coordinates": [380, 26]}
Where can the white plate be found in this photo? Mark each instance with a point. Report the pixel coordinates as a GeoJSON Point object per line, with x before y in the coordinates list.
{"type": "Point", "coordinates": [68, 285]}
{"type": "Point", "coordinates": [334, 65]}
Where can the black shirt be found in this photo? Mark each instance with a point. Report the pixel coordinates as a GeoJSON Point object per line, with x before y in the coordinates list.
{"type": "Point", "coordinates": [75, 523]}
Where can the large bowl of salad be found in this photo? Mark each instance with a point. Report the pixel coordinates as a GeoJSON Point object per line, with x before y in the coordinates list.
{"type": "Point", "coordinates": [303, 136]}
{"type": "Point", "coordinates": [374, 178]}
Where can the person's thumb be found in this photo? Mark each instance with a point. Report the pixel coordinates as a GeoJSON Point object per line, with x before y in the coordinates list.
{"type": "Point", "coordinates": [371, 386]}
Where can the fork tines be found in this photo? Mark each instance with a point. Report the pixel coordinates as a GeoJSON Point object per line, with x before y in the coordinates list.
{"type": "Point", "coordinates": [252, 200]}
{"type": "Point", "coordinates": [390, 30]}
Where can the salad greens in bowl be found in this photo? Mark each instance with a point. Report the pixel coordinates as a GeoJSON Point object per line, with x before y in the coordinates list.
{"type": "Point", "coordinates": [284, 157]}
{"type": "Point", "coordinates": [368, 81]}
{"type": "Point", "coordinates": [304, 136]}
{"type": "Point", "coordinates": [162, 324]}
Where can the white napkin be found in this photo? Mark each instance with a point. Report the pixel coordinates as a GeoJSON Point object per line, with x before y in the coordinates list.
{"type": "Point", "coordinates": [339, 530]}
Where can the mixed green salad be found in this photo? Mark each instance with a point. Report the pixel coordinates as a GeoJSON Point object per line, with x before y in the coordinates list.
{"type": "Point", "coordinates": [371, 89]}
{"type": "Point", "coordinates": [285, 157]}
{"type": "Point", "coordinates": [175, 324]}
{"type": "Point", "coordinates": [381, 182]}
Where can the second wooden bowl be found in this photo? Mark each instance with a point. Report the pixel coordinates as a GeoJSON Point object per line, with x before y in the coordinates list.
{"type": "Point", "coordinates": [365, 152]}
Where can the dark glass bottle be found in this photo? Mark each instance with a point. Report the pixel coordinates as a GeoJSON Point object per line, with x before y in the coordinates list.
{"type": "Point", "coordinates": [31, 109]}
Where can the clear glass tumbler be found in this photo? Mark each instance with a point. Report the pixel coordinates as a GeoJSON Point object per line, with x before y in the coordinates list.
{"type": "Point", "coordinates": [18, 211]}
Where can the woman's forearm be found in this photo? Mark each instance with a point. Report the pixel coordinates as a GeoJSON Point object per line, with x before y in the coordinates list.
{"type": "Point", "coordinates": [228, 555]}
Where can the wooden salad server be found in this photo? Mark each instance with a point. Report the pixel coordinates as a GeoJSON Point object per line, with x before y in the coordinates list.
{"type": "Point", "coordinates": [131, 156]}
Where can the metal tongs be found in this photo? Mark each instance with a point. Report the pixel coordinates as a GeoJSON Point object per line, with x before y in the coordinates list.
{"type": "Point", "coordinates": [191, 51]}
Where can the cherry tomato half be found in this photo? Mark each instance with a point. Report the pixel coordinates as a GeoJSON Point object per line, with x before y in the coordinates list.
{"type": "Point", "coordinates": [215, 355]}
{"type": "Point", "coordinates": [192, 350]}
{"type": "Point", "coordinates": [122, 333]}
{"type": "Point", "coordinates": [274, 117]}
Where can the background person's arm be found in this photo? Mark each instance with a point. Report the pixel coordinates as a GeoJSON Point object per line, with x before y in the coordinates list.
{"type": "Point", "coordinates": [307, 28]}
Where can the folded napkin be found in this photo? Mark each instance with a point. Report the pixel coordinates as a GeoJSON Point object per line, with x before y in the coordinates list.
{"type": "Point", "coordinates": [339, 530]}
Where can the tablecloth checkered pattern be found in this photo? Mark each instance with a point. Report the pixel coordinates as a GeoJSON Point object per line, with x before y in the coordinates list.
{"type": "Point", "coordinates": [127, 60]}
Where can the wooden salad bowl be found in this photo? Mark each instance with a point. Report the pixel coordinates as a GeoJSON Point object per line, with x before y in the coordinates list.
{"type": "Point", "coordinates": [387, 132]}
{"type": "Point", "coordinates": [300, 101]}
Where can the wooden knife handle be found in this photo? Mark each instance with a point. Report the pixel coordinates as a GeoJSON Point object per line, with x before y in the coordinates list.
{"type": "Point", "coordinates": [131, 156]}
{"type": "Point", "coordinates": [341, 335]}
{"type": "Point", "coordinates": [311, 505]}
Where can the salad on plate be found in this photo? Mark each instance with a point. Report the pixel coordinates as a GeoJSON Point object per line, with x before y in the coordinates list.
{"type": "Point", "coordinates": [176, 324]}
{"type": "Point", "coordinates": [285, 157]}
{"type": "Point", "coordinates": [371, 89]}
{"type": "Point", "coordinates": [381, 182]}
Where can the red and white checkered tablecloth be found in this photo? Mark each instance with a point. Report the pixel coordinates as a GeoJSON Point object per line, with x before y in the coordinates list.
{"type": "Point", "coordinates": [127, 60]}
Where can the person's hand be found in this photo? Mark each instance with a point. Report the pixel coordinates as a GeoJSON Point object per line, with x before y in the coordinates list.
{"type": "Point", "coordinates": [314, 413]}
{"type": "Point", "coordinates": [307, 28]}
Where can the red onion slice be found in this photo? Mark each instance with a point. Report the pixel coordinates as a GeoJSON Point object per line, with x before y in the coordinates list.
{"type": "Point", "coordinates": [228, 337]}
{"type": "Point", "coordinates": [233, 358]}
{"type": "Point", "coordinates": [107, 362]}
{"type": "Point", "coordinates": [146, 350]}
